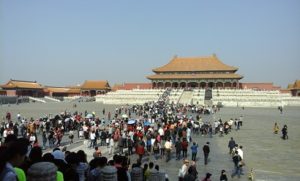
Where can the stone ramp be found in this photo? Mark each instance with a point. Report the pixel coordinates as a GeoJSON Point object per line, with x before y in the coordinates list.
{"type": "Point", "coordinates": [186, 97]}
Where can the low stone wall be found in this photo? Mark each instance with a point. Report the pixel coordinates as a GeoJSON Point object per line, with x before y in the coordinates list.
{"type": "Point", "coordinates": [13, 100]}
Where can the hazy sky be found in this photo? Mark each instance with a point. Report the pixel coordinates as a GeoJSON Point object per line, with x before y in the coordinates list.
{"type": "Point", "coordinates": [66, 42]}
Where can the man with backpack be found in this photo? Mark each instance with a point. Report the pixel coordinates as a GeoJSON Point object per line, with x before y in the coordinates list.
{"type": "Point", "coordinates": [237, 166]}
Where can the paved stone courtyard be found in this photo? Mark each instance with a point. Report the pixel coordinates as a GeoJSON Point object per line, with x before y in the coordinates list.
{"type": "Point", "coordinates": [271, 157]}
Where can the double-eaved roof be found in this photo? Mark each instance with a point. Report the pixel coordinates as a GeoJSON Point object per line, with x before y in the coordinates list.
{"type": "Point", "coordinates": [195, 64]}
{"type": "Point", "coordinates": [195, 68]}
{"type": "Point", "coordinates": [195, 76]}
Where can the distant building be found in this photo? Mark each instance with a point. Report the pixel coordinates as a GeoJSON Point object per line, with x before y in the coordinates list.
{"type": "Point", "coordinates": [61, 91]}
{"type": "Point", "coordinates": [198, 72]}
{"type": "Point", "coordinates": [94, 87]}
{"type": "Point", "coordinates": [295, 88]}
{"type": "Point", "coordinates": [260, 86]}
{"type": "Point", "coordinates": [130, 86]}
{"type": "Point", "coordinates": [2, 92]}
{"type": "Point", "coordinates": [23, 88]}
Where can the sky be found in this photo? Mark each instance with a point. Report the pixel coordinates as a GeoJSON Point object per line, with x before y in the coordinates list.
{"type": "Point", "coordinates": [62, 43]}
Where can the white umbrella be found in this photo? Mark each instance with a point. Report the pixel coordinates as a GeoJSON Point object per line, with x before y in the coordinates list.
{"type": "Point", "coordinates": [131, 121]}
{"type": "Point", "coordinates": [89, 116]}
{"type": "Point", "coordinates": [124, 116]}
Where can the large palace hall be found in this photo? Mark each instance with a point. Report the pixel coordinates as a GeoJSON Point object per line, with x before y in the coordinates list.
{"type": "Point", "coordinates": [196, 72]}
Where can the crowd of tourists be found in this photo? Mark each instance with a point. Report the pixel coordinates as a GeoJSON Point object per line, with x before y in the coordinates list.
{"type": "Point", "coordinates": [153, 131]}
{"type": "Point", "coordinates": [17, 163]}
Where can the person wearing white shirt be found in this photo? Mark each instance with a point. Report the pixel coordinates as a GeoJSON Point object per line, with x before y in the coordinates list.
{"type": "Point", "coordinates": [188, 134]}
{"type": "Point", "coordinates": [161, 131]}
{"type": "Point", "coordinates": [93, 139]}
{"type": "Point", "coordinates": [184, 169]}
{"type": "Point", "coordinates": [111, 146]}
{"type": "Point", "coordinates": [168, 148]}
{"type": "Point", "coordinates": [241, 152]}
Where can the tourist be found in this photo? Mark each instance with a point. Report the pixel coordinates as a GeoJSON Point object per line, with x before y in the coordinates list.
{"type": "Point", "coordinates": [162, 147]}
{"type": "Point", "coordinates": [206, 151]}
{"type": "Point", "coordinates": [237, 167]}
{"type": "Point", "coordinates": [103, 136]}
{"type": "Point", "coordinates": [188, 134]}
{"type": "Point", "coordinates": [130, 145]}
{"type": "Point", "coordinates": [193, 169]}
{"type": "Point", "coordinates": [156, 146]}
{"type": "Point", "coordinates": [189, 176]}
{"type": "Point", "coordinates": [223, 176]}
{"type": "Point", "coordinates": [210, 130]}
{"type": "Point", "coordinates": [241, 152]}
{"type": "Point", "coordinates": [35, 156]}
{"type": "Point", "coordinates": [12, 155]}
{"type": "Point", "coordinates": [194, 149]}
{"type": "Point", "coordinates": [184, 146]}
{"type": "Point", "coordinates": [140, 149]}
{"type": "Point", "coordinates": [71, 136]}
{"type": "Point", "coordinates": [95, 173]}
{"type": "Point", "coordinates": [145, 171]}
{"type": "Point", "coordinates": [275, 128]}
{"type": "Point", "coordinates": [51, 138]}
{"type": "Point", "coordinates": [44, 138]}
{"type": "Point", "coordinates": [82, 167]}
{"type": "Point", "coordinates": [92, 139]}
{"type": "Point", "coordinates": [111, 146]}
{"type": "Point", "coordinates": [284, 132]}
{"type": "Point", "coordinates": [97, 153]}
{"type": "Point", "coordinates": [42, 171]}
{"type": "Point", "coordinates": [70, 171]}
{"type": "Point", "coordinates": [207, 177]}
{"type": "Point", "coordinates": [231, 145]}
{"type": "Point", "coordinates": [168, 147]}
{"type": "Point", "coordinates": [59, 135]}
{"type": "Point", "coordinates": [121, 170]}
{"type": "Point", "coordinates": [183, 170]}
{"type": "Point", "coordinates": [178, 148]}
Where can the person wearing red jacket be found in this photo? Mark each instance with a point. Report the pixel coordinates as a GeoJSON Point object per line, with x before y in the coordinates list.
{"type": "Point", "coordinates": [184, 145]}
{"type": "Point", "coordinates": [140, 149]}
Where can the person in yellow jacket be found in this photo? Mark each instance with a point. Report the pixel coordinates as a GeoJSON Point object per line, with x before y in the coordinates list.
{"type": "Point", "coordinates": [276, 128]}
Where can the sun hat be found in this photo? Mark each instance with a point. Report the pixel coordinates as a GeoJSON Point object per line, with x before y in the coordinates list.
{"type": "Point", "coordinates": [42, 171]}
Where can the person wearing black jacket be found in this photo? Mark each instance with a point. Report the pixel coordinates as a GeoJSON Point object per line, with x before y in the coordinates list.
{"type": "Point", "coordinates": [231, 145]}
{"type": "Point", "coordinates": [121, 171]}
{"type": "Point", "coordinates": [236, 160]}
{"type": "Point", "coordinates": [178, 148]}
{"type": "Point", "coordinates": [206, 151]}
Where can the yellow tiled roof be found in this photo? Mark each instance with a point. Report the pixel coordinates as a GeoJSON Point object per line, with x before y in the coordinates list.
{"type": "Point", "coordinates": [57, 89]}
{"type": "Point", "coordinates": [22, 84]}
{"type": "Point", "coordinates": [74, 91]}
{"type": "Point", "coordinates": [70, 90]}
{"type": "Point", "coordinates": [95, 84]}
{"type": "Point", "coordinates": [195, 76]}
{"type": "Point", "coordinates": [297, 84]}
{"type": "Point", "coordinates": [290, 86]}
{"type": "Point", "coordinates": [211, 63]}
